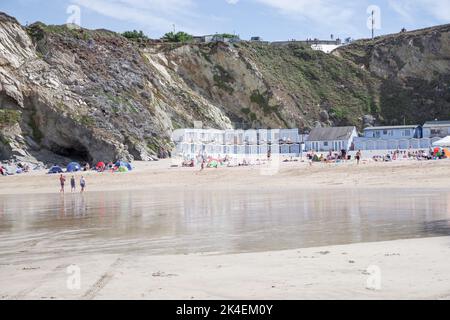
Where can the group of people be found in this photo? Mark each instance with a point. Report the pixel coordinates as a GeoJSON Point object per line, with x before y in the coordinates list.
{"type": "Point", "coordinates": [19, 168]}
{"type": "Point", "coordinates": [333, 156]}
{"type": "Point", "coordinates": [73, 183]}
{"type": "Point", "coordinates": [410, 155]}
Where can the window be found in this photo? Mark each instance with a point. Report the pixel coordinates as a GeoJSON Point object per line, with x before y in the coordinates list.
{"type": "Point", "coordinates": [385, 132]}
{"type": "Point", "coordinates": [325, 144]}
{"type": "Point", "coordinates": [407, 133]}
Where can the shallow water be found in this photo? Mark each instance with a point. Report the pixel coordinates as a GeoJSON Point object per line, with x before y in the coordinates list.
{"type": "Point", "coordinates": [43, 226]}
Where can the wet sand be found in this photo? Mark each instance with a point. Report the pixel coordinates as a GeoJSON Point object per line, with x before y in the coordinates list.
{"type": "Point", "coordinates": [324, 243]}
{"type": "Point", "coordinates": [401, 269]}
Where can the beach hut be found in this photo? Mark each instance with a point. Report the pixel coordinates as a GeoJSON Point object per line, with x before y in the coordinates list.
{"type": "Point", "coordinates": [262, 136]}
{"type": "Point", "coordinates": [393, 144]}
{"type": "Point", "coordinates": [229, 150]}
{"type": "Point", "coordinates": [381, 144]}
{"type": "Point", "coordinates": [229, 136]}
{"type": "Point", "coordinates": [251, 136]}
{"type": "Point", "coordinates": [73, 167]}
{"type": "Point", "coordinates": [55, 169]}
{"type": "Point", "coordinates": [289, 135]}
{"type": "Point", "coordinates": [294, 149]}
{"type": "Point", "coordinates": [262, 149]}
{"type": "Point", "coordinates": [273, 136]}
{"type": "Point", "coordinates": [251, 150]}
{"type": "Point", "coordinates": [414, 143]}
{"type": "Point", "coordinates": [284, 149]}
{"type": "Point", "coordinates": [371, 145]}
{"type": "Point", "coordinates": [275, 148]}
{"type": "Point", "coordinates": [239, 150]}
{"type": "Point", "coordinates": [239, 137]}
{"type": "Point", "coordinates": [425, 143]}
{"type": "Point", "coordinates": [403, 144]}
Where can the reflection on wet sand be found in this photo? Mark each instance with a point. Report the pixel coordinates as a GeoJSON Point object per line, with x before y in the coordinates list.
{"type": "Point", "coordinates": [38, 226]}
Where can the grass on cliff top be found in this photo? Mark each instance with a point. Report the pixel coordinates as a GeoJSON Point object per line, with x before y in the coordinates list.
{"type": "Point", "coordinates": [38, 30]}
{"type": "Point", "coordinates": [317, 79]}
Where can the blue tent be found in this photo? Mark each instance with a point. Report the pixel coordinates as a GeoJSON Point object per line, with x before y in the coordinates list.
{"type": "Point", "coordinates": [55, 169]}
{"type": "Point", "coordinates": [124, 164]}
{"type": "Point", "coordinates": [73, 167]}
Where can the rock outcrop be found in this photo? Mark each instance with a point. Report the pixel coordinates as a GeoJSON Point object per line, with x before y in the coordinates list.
{"type": "Point", "coordinates": [91, 95]}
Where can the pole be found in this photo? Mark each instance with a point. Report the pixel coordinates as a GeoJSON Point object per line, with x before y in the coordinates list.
{"type": "Point", "coordinates": [373, 24]}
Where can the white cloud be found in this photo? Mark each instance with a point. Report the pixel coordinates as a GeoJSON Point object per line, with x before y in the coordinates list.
{"type": "Point", "coordinates": [322, 11]}
{"type": "Point", "coordinates": [232, 1]}
{"type": "Point", "coordinates": [154, 15]}
{"type": "Point", "coordinates": [409, 9]}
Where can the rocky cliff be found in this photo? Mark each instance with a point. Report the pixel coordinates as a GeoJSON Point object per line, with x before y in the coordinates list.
{"type": "Point", "coordinates": [413, 73]}
{"type": "Point", "coordinates": [94, 95]}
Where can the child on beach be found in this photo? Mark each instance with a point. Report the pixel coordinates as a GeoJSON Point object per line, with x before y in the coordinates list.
{"type": "Point", "coordinates": [72, 184]}
{"type": "Point", "coordinates": [62, 181]}
{"type": "Point", "coordinates": [82, 184]}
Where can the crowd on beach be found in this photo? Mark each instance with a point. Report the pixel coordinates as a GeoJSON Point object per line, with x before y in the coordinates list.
{"type": "Point", "coordinates": [206, 161]}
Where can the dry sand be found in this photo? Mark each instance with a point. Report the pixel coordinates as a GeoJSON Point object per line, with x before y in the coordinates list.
{"type": "Point", "coordinates": [417, 268]}
{"type": "Point", "coordinates": [293, 175]}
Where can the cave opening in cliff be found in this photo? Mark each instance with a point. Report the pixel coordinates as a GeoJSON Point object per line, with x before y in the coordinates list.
{"type": "Point", "coordinates": [75, 152]}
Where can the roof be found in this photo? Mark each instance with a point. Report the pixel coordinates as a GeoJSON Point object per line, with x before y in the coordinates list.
{"type": "Point", "coordinates": [331, 133]}
{"type": "Point", "coordinates": [392, 127]}
{"type": "Point", "coordinates": [437, 124]}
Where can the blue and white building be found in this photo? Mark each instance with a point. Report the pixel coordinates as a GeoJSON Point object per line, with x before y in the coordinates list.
{"type": "Point", "coordinates": [331, 139]}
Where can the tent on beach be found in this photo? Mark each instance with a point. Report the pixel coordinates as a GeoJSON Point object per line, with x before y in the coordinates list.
{"type": "Point", "coordinates": [55, 169]}
{"type": "Point", "coordinates": [124, 164]}
{"type": "Point", "coordinates": [73, 167]}
{"type": "Point", "coordinates": [443, 142]}
{"type": "Point", "coordinates": [123, 169]}
{"type": "Point", "coordinates": [100, 166]}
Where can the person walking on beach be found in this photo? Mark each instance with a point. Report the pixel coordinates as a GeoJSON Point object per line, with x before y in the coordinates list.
{"type": "Point", "coordinates": [82, 184]}
{"type": "Point", "coordinates": [62, 181]}
{"type": "Point", "coordinates": [358, 156]}
{"type": "Point", "coordinates": [72, 184]}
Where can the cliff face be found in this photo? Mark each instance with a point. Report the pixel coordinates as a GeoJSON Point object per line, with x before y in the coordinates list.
{"type": "Point", "coordinates": [95, 95]}
{"type": "Point", "coordinates": [413, 70]}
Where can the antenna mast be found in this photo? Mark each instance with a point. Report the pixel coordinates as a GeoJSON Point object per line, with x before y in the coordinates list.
{"type": "Point", "coordinates": [373, 24]}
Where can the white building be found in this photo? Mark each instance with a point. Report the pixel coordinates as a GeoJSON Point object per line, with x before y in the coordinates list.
{"type": "Point", "coordinates": [436, 129]}
{"type": "Point", "coordinates": [394, 132]}
{"type": "Point", "coordinates": [241, 143]}
{"type": "Point", "coordinates": [331, 139]}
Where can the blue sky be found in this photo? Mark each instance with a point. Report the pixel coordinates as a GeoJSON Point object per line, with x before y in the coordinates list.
{"type": "Point", "coordinates": [270, 19]}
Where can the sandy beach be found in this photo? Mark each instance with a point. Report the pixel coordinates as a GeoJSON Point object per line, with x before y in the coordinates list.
{"type": "Point", "coordinates": [286, 176]}
{"type": "Point", "coordinates": [398, 269]}
{"type": "Point", "coordinates": [403, 269]}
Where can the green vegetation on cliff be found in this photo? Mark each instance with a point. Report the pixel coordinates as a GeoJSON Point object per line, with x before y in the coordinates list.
{"type": "Point", "coordinates": [9, 117]}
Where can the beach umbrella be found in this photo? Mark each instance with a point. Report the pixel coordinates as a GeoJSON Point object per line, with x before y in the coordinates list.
{"type": "Point", "coordinates": [73, 167]}
{"type": "Point", "coordinates": [124, 164]}
{"type": "Point", "coordinates": [55, 169]}
{"type": "Point", "coordinates": [447, 153]}
{"type": "Point", "coordinates": [123, 169]}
